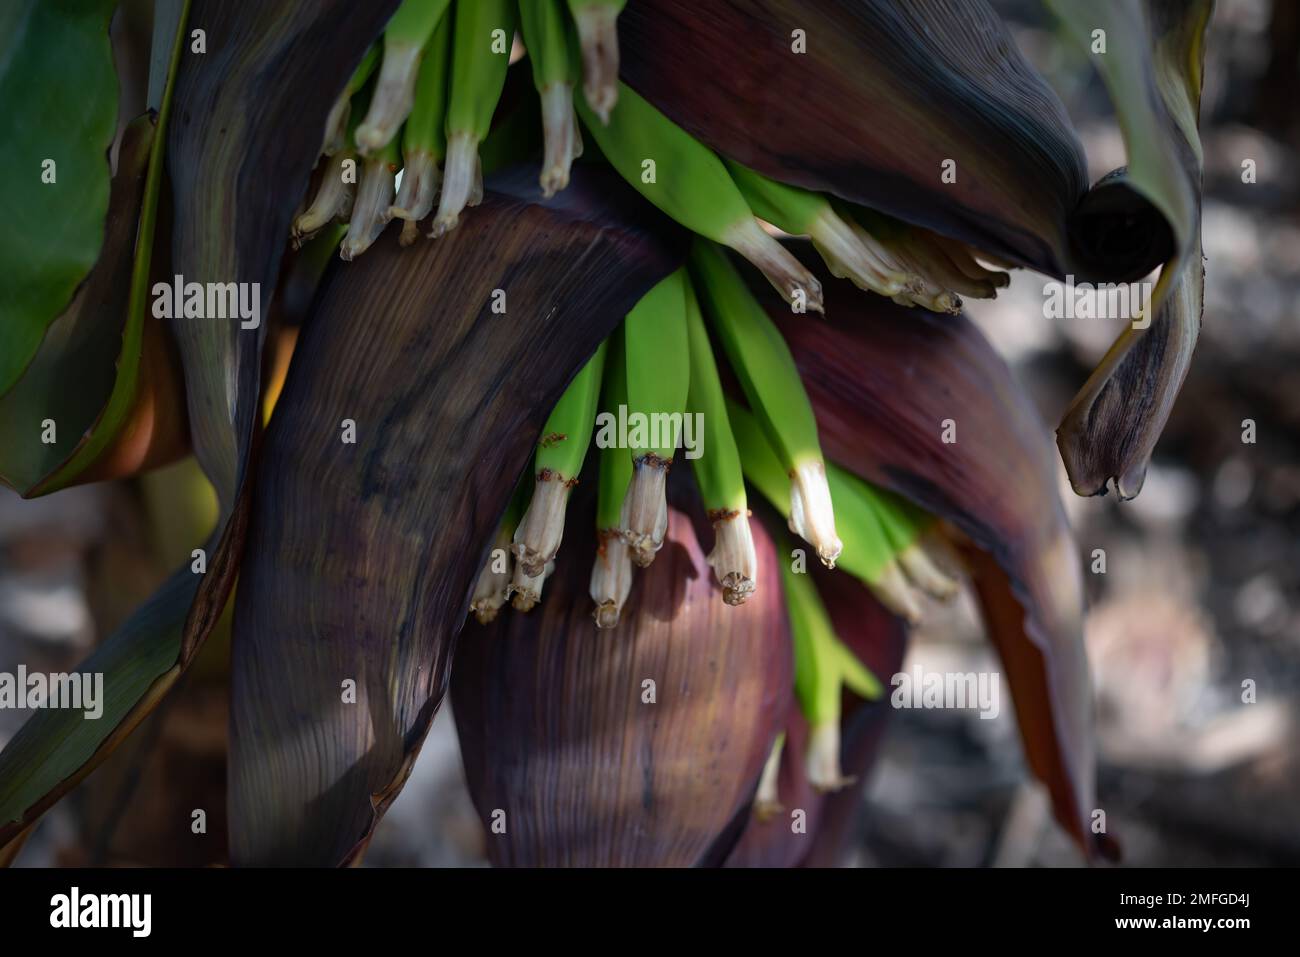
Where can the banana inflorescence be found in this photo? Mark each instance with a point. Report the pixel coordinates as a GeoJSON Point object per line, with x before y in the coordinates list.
{"type": "Point", "coordinates": [433, 86]}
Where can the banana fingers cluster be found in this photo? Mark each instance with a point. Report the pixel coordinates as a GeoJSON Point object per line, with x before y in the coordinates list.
{"type": "Point", "coordinates": [438, 80]}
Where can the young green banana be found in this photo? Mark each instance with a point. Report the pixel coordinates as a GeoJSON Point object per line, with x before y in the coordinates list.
{"type": "Point", "coordinates": [686, 180]}
{"type": "Point", "coordinates": [560, 454]}
{"type": "Point", "coordinates": [340, 115]}
{"type": "Point", "coordinates": [717, 470]}
{"type": "Point", "coordinates": [493, 585]}
{"type": "Point", "coordinates": [424, 139]}
{"type": "Point", "coordinates": [767, 373]}
{"type": "Point", "coordinates": [333, 199]}
{"type": "Point", "coordinates": [869, 555]}
{"type": "Point", "coordinates": [547, 38]}
{"type": "Point", "coordinates": [597, 22]}
{"type": "Point", "coordinates": [909, 530]}
{"type": "Point", "coordinates": [656, 348]}
{"type": "Point", "coordinates": [767, 800]}
{"type": "Point", "coordinates": [803, 213]}
{"type": "Point", "coordinates": [950, 264]}
{"type": "Point", "coordinates": [337, 190]}
{"type": "Point", "coordinates": [374, 195]}
{"type": "Point", "coordinates": [404, 45]}
{"type": "Point", "coordinates": [481, 39]}
{"type": "Point", "coordinates": [611, 573]}
{"type": "Point", "coordinates": [941, 267]}
{"type": "Point", "coordinates": [823, 667]}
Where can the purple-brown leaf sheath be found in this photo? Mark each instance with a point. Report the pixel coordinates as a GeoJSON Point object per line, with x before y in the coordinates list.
{"type": "Point", "coordinates": [556, 732]}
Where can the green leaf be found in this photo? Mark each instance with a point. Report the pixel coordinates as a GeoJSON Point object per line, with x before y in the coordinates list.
{"type": "Point", "coordinates": [58, 95]}
{"type": "Point", "coordinates": [231, 222]}
{"type": "Point", "coordinates": [82, 342]}
{"type": "Point", "coordinates": [121, 400]}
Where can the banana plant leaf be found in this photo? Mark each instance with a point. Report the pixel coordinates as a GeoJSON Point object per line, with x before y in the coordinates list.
{"type": "Point", "coordinates": [55, 61]}
{"type": "Point", "coordinates": [258, 86]}
{"type": "Point", "coordinates": [933, 82]}
{"type": "Point", "coordinates": [879, 639]}
{"type": "Point", "coordinates": [81, 343]}
{"type": "Point", "coordinates": [1152, 69]}
{"type": "Point", "coordinates": [885, 383]}
{"type": "Point", "coordinates": [363, 557]}
{"type": "Point", "coordinates": [127, 412]}
{"type": "Point", "coordinates": [561, 745]}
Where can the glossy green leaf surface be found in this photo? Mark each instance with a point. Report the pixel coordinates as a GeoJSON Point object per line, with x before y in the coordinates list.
{"type": "Point", "coordinates": [58, 97]}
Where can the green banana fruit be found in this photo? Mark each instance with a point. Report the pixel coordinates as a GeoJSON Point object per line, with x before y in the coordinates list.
{"type": "Point", "coordinates": [823, 667]}
{"type": "Point", "coordinates": [597, 22]}
{"type": "Point", "coordinates": [333, 199]}
{"type": "Point", "coordinates": [943, 266]}
{"type": "Point", "coordinates": [906, 527]}
{"type": "Point", "coordinates": [561, 450]}
{"type": "Point", "coordinates": [767, 800]}
{"type": "Point", "coordinates": [405, 38]}
{"type": "Point", "coordinates": [340, 115]}
{"type": "Point", "coordinates": [424, 138]}
{"type": "Point", "coordinates": [337, 189]}
{"type": "Point", "coordinates": [611, 572]}
{"type": "Point", "coordinates": [767, 374]}
{"type": "Point", "coordinates": [803, 213]}
{"type": "Point", "coordinates": [686, 180]}
{"type": "Point", "coordinates": [481, 38]}
{"type": "Point", "coordinates": [718, 470]}
{"type": "Point", "coordinates": [656, 349]}
{"type": "Point", "coordinates": [547, 39]}
{"type": "Point", "coordinates": [374, 196]}
{"type": "Point", "coordinates": [493, 585]}
{"type": "Point", "coordinates": [869, 554]}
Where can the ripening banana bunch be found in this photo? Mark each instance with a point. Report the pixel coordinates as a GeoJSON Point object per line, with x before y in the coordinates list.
{"type": "Point", "coordinates": [432, 86]}
{"type": "Point", "coordinates": [652, 395]}
{"type": "Point", "coordinates": [406, 139]}
{"type": "Point", "coordinates": [415, 116]}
